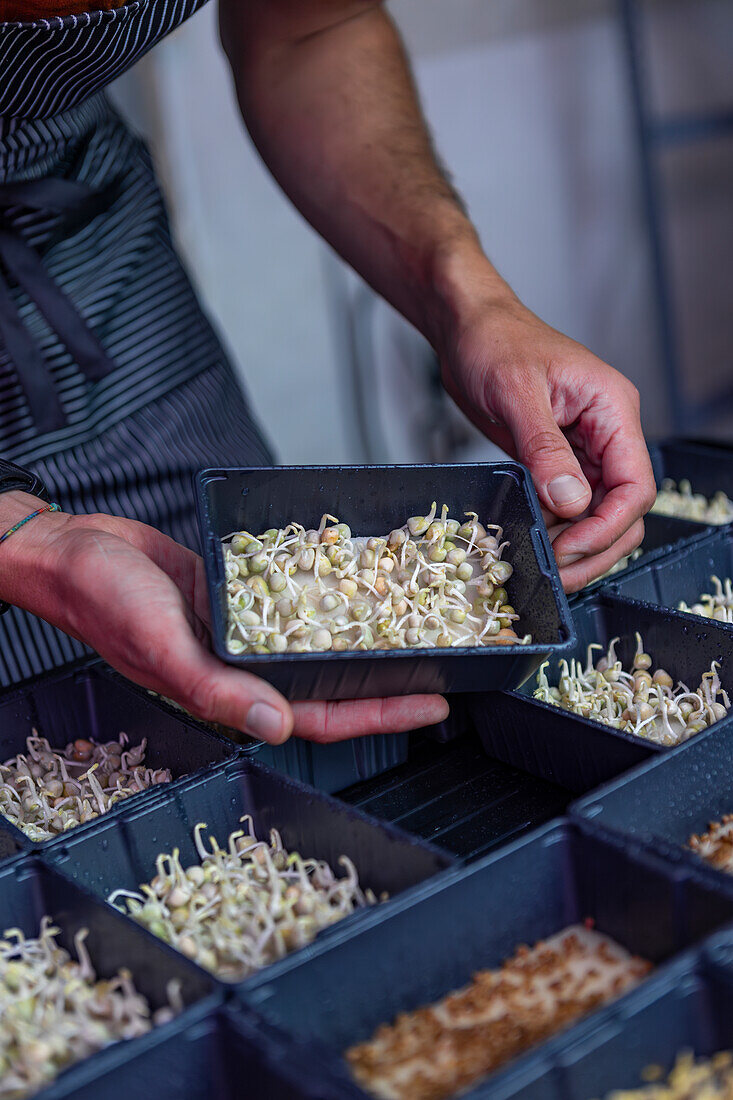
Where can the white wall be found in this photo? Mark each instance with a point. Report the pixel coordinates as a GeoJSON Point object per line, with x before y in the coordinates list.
{"type": "Point", "coordinates": [528, 101]}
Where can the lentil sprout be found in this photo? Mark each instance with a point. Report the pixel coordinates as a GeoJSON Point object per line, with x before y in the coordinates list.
{"type": "Point", "coordinates": [716, 844]}
{"type": "Point", "coordinates": [46, 791]}
{"type": "Point", "coordinates": [643, 701]}
{"type": "Point", "coordinates": [680, 501]}
{"type": "Point", "coordinates": [717, 605]}
{"type": "Point", "coordinates": [243, 906]}
{"type": "Point", "coordinates": [445, 1048]}
{"type": "Point", "coordinates": [54, 1010]}
{"type": "Point", "coordinates": [432, 582]}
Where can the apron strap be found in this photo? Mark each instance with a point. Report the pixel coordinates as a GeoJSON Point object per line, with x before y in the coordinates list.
{"type": "Point", "coordinates": [74, 201]}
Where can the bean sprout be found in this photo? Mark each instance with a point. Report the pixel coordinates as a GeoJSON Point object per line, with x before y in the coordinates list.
{"type": "Point", "coordinates": [244, 906]}
{"type": "Point", "coordinates": [717, 605]}
{"type": "Point", "coordinates": [46, 791]}
{"type": "Point", "coordinates": [54, 1011]}
{"type": "Point", "coordinates": [689, 1079]}
{"type": "Point", "coordinates": [432, 582]}
{"type": "Point", "coordinates": [639, 701]}
{"type": "Point", "coordinates": [683, 503]}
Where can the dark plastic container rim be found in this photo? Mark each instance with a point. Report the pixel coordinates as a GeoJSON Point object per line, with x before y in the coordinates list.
{"type": "Point", "coordinates": [648, 559]}
{"type": "Point", "coordinates": [551, 832]}
{"type": "Point", "coordinates": [214, 565]}
{"type": "Point", "coordinates": [710, 538]}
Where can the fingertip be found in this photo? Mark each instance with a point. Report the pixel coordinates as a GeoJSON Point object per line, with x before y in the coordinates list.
{"type": "Point", "coordinates": [568, 495]}
{"type": "Point", "coordinates": [268, 723]}
{"type": "Point", "coordinates": [444, 709]}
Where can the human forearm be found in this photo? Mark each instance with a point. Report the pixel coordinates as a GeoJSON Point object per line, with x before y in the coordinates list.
{"type": "Point", "coordinates": [325, 90]}
{"type": "Point", "coordinates": [331, 106]}
{"type": "Point", "coordinates": [27, 558]}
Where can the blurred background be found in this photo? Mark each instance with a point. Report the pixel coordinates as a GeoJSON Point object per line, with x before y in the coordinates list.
{"type": "Point", "coordinates": [593, 143]}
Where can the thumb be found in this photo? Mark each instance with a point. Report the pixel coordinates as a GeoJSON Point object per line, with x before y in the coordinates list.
{"type": "Point", "coordinates": [544, 450]}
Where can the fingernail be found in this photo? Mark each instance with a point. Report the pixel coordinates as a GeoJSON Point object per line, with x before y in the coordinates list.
{"type": "Point", "coordinates": [566, 490]}
{"type": "Point", "coordinates": [264, 722]}
{"type": "Point", "coordinates": [568, 559]}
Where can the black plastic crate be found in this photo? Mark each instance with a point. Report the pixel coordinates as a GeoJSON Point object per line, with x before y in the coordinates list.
{"type": "Point", "coordinates": [682, 574]}
{"type": "Point", "coordinates": [30, 890]}
{"type": "Point", "coordinates": [671, 797]}
{"type": "Point", "coordinates": [687, 1008]}
{"type": "Point", "coordinates": [431, 944]}
{"type": "Point", "coordinates": [375, 499]}
{"type": "Point", "coordinates": [579, 753]}
{"type": "Point", "coordinates": [122, 853]}
{"type": "Point", "coordinates": [94, 702]}
{"type": "Point", "coordinates": [225, 1056]}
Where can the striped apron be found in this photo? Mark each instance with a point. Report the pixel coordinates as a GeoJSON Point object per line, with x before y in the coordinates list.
{"type": "Point", "coordinates": [113, 386]}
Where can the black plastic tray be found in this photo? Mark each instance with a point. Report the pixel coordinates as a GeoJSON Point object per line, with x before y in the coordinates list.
{"type": "Point", "coordinates": [457, 797]}
{"type": "Point", "coordinates": [671, 797]}
{"type": "Point", "coordinates": [224, 1056]}
{"type": "Point", "coordinates": [681, 574]}
{"type": "Point", "coordinates": [376, 498]}
{"type": "Point", "coordinates": [688, 1007]}
{"type": "Point", "coordinates": [122, 853]}
{"type": "Point", "coordinates": [29, 890]}
{"type": "Point", "coordinates": [578, 753]}
{"type": "Point", "coordinates": [475, 918]}
{"type": "Point", "coordinates": [95, 702]}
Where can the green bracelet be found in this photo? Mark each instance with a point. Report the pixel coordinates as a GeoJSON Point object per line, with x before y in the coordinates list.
{"type": "Point", "coordinates": [22, 522]}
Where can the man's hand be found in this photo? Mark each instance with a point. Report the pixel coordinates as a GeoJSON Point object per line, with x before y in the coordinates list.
{"type": "Point", "coordinates": [139, 599]}
{"type": "Point", "coordinates": [569, 417]}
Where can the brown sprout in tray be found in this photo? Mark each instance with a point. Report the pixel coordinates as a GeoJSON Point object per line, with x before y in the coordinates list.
{"type": "Point", "coordinates": [445, 1048]}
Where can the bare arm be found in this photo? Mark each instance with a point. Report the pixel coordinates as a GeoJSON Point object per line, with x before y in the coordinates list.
{"type": "Point", "coordinates": [326, 93]}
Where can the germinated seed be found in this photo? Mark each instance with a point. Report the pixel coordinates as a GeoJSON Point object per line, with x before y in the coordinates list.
{"type": "Point", "coordinates": [638, 701]}
{"type": "Point", "coordinates": [46, 791]}
{"type": "Point", "coordinates": [54, 1011]}
{"type": "Point", "coordinates": [717, 605]}
{"type": "Point", "coordinates": [682, 502]}
{"type": "Point", "coordinates": [245, 905]}
{"type": "Point", "coordinates": [433, 582]}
